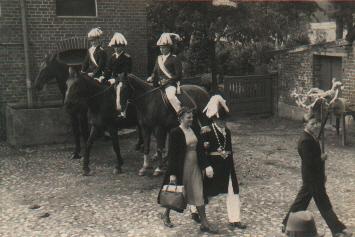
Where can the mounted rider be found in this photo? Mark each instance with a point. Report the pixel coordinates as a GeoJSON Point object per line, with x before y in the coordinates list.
{"type": "Point", "coordinates": [168, 69]}
{"type": "Point", "coordinates": [95, 60]}
{"type": "Point", "coordinates": [119, 62]}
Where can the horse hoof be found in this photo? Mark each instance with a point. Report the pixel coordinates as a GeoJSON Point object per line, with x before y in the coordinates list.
{"type": "Point", "coordinates": [75, 156]}
{"type": "Point", "coordinates": [142, 172]}
{"type": "Point", "coordinates": [117, 171]}
{"type": "Point", "coordinates": [86, 173]}
{"type": "Point", "coordinates": [157, 173]}
{"type": "Point", "coordinates": [138, 147]}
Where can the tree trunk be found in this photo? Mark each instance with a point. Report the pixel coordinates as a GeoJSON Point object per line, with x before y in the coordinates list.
{"type": "Point", "coordinates": [339, 28]}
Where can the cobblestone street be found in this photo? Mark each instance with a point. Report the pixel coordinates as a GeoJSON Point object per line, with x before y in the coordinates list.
{"type": "Point", "coordinates": [43, 194]}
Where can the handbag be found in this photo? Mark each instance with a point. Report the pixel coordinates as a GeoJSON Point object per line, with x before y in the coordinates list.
{"type": "Point", "coordinates": [172, 196]}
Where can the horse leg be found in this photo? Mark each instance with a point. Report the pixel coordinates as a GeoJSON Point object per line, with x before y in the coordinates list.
{"type": "Point", "coordinates": [146, 137]}
{"type": "Point", "coordinates": [76, 132]}
{"type": "Point", "coordinates": [89, 143]}
{"type": "Point", "coordinates": [116, 148]}
{"type": "Point", "coordinates": [161, 137]}
{"type": "Point", "coordinates": [84, 124]}
{"type": "Point", "coordinates": [140, 138]}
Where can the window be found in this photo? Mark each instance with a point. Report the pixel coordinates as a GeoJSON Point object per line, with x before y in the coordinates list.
{"type": "Point", "coordinates": [76, 7]}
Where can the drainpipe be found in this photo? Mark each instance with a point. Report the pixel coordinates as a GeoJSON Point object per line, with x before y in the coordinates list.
{"type": "Point", "coordinates": [27, 57]}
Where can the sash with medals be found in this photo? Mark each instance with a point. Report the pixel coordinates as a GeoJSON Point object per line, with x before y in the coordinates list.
{"type": "Point", "coordinates": [221, 150]}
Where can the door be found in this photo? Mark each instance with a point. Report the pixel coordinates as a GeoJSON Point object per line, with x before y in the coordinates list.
{"type": "Point", "coordinates": [330, 67]}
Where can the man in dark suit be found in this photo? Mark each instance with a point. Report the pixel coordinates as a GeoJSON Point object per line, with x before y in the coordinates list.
{"type": "Point", "coordinates": [313, 177]}
{"type": "Point", "coordinates": [95, 60]}
{"type": "Point", "coordinates": [167, 71]}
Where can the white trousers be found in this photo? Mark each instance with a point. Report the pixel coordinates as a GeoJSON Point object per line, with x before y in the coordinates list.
{"type": "Point", "coordinates": [233, 204]}
{"type": "Point", "coordinates": [174, 101]}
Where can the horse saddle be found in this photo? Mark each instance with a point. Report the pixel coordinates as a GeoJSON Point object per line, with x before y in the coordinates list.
{"type": "Point", "coordinates": [184, 97]}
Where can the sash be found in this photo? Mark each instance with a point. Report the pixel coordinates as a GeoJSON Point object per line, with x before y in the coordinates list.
{"type": "Point", "coordinates": [118, 55]}
{"type": "Point", "coordinates": [163, 68]}
{"type": "Point", "coordinates": [91, 53]}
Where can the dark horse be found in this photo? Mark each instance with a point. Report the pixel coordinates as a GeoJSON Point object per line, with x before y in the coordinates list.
{"type": "Point", "coordinates": [51, 68]}
{"type": "Point", "coordinates": [155, 115]}
{"type": "Point", "coordinates": [83, 91]}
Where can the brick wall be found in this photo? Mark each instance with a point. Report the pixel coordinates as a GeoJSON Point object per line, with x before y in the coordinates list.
{"type": "Point", "coordinates": [302, 70]}
{"type": "Point", "coordinates": [295, 71]}
{"type": "Point", "coordinates": [45, 29]}
{"type": "Point", "coordinates": [349, 75]}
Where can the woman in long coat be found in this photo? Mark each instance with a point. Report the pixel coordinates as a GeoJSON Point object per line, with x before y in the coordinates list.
{"type": "Point", "coordinates": [185, 165]}
{"type": "Point", "coordinates": [218, 146]}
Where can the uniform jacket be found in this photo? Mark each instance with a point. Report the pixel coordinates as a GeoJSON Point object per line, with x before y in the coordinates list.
{"type": "Point", "coordinates": [173, 65]}
{"type": "Point", "coordinates": [313, 169]}
{"type": "Point", "coordinates": [222, 168]}
{"type": "Point", "coordinates": [176, 156]}
{"type": "Point", "coordinates": [100, 58]}
{"type": "Point", "coordinates": [118, 65]}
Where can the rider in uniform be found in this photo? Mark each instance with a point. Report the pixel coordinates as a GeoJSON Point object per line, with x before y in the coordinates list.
{"type": "Point", "coordinates": [168, 69]}
{"type": "Point", "coordinates": [119, 62]}
{"type": "Point", "coordinates": [95, 60]}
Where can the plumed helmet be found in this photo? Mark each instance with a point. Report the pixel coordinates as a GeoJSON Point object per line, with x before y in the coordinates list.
{"type": "Point", "coordinates": [118, 39]}
{"type": "Point", "coordinates": [95, 33]}
{"type": "Point", "coordinates": [216, 107]}
{"type": "Point", "coordinates": [168, 39]}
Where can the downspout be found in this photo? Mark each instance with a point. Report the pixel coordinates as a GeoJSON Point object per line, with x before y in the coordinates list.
{"type": "Point", "coordinates": [27, 57]}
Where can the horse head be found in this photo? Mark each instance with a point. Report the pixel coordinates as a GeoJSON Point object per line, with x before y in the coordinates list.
{"type": "Point", "coordinates": [51, 68]}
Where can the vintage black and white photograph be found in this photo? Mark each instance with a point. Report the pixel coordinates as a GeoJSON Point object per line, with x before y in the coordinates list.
{"type": "Point", "coordinates": [149, 118]}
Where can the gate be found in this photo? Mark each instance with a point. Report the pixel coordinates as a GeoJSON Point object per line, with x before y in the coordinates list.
{"type": "Point", "coordinates": [249, 94]}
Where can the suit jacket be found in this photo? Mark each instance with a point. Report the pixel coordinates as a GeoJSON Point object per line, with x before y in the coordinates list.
{"type": "Point", "coordinates": [115, 66]}
{"type": "Point", "coordinates": [100, 58]}
{"type": "Point", "coordinates": [176, 156]}
{"type": "Point", "coordinates": [222, 168]}
{"type": "Point", "coordinates": [313, 168]}
{"type": "Point", "coordinates": [173, 65]}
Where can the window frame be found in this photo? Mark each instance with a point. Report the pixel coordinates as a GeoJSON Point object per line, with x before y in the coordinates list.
{"type": "Point", "coordinates": [96, 13]}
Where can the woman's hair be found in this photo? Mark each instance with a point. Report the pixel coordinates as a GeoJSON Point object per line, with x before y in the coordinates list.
{"type": "Point", "coordinates": [183, 111]}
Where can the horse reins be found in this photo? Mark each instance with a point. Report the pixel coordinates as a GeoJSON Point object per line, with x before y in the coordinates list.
{"type": "Point", "coordinates": [100, 92]}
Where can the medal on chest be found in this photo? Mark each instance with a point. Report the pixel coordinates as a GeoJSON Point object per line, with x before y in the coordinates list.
{"type": "Point", "coordinates": [222, 147]}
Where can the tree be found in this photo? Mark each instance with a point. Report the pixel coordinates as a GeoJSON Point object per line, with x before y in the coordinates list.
{"type": "Point", "coordinates": [247, 31]}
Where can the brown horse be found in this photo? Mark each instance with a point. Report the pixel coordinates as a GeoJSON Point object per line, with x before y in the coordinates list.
{"type": "Point", "coordinates": [51, 68]}
{"type": "Point", "coordinates": [155, 115]}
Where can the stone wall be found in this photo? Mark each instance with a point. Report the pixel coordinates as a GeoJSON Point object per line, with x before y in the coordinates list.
{"type": "Point", "coordinates": [45, 29]}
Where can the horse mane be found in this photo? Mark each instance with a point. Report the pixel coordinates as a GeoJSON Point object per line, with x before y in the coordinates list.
{"type": "Point", "coordinates": [138, 83]}
{"type": "Point", "coordinates": [91, 82]}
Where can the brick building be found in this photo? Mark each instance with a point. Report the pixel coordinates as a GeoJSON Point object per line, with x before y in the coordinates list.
{"type": "Point", "coordinates": [314, 66]}
{"type": "Point", "coordinates": [50, 21]}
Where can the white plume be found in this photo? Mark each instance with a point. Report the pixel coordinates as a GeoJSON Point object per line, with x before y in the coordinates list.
{"type": "Point", "coordinates": [216, 102]}
{"type": "Point", "coordinates": [118, 38]}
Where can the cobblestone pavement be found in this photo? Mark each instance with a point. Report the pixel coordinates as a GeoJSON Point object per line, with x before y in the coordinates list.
{"type": "Point", "coordinates": [42, 192]}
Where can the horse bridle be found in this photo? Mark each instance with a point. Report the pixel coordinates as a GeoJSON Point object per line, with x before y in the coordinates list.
{"type": "Point", "coordinates": [132, 101]}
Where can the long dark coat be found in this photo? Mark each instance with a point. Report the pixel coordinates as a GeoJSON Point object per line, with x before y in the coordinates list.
{"type": "Point", "coordinates": [222, 168]}
{"type": "Point", "coordinates": [173, 65]}
{"type": "Point", "coordinates": [313, 170]}
{"type": "Point", "coordinates": [118, 65]}
{"type": "Point", "coordinates": [176, 156]}
{"type": "Point", "coordinates": [100, 58]}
